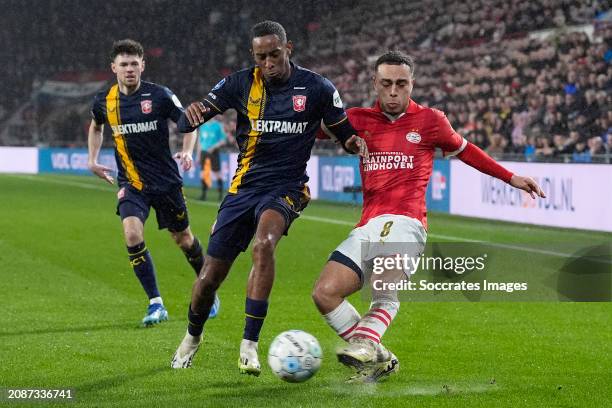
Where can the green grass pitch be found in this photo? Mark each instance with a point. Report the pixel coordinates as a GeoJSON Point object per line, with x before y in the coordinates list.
{"type": "Point", "coordinates": [71, 307]}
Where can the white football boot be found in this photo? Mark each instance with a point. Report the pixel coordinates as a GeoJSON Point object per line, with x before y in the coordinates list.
{"type": "Point", "coordinates": [187, 349]}
{"type": "Point", "coordinates": [386, 364]}
{"type": "Point", "coordinates": [360, 353]}
{"type": "Point", "coordinates": [248, 363]}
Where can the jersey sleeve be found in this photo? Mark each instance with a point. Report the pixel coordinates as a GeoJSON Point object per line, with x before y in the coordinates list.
{"type": "Point", "coordinates": [98, 112]}
{"type": "Point", "coordinates": [451, 142]}
{"type": "Point", "coordinates": [331, 103]}
{"type": "Point", "coordinates": [172, 106]}
{"type": "Point", "coordinates": [223, 95]}
{"type": "Point", "coordinates": [324, 132]}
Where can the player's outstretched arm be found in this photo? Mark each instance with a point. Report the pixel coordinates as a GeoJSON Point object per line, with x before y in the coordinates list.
{"type": "Point", "coordinates": [473, 156]}
{"type": "Point", "coordinates": [527, 184]}
{"type": "Point", "coordinates": [94, 143]}
{"type": "Point", "coordinates": [344, 134]}
{"type": "Point", "coordinates": [185, 156]}
{"type": "Point", "coordinates": [195, 115]}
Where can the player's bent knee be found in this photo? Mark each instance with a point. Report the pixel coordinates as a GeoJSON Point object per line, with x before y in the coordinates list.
{"type": "Point", "coordinates": [209, 285]}
{"type": "Point", "coordinates": [325, 292]}
{"type": "Point", "coordinates": [263, 250]}
{"type": "Point", "coordinates": [133, 237]}
{"type": "Point", "coordinates": [133, 230]}
{"type": "Point", "coordinates": [318, 297]}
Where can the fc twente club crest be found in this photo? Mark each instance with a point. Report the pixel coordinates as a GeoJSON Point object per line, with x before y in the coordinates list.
{"type": "Point", "coordinates": [146, 106]}
{"type": "Point", "coordinates": [299, 103]}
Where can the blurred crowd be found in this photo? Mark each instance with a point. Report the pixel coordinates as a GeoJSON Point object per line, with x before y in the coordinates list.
{"type": "Point", "coordinates": [503, 86]}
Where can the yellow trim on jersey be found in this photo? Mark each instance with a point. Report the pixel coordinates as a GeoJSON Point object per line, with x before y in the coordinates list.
{"type": "Point", "coordinates": [213, 105]}
{"type": "Point", "coordinates": [114, 119]}
{"type": "Point", "coordinates": [306, 192]}
{"type": "Point", "coordinates": [339, 122]}
{"type": "Point", "coordinates": [255, 110]}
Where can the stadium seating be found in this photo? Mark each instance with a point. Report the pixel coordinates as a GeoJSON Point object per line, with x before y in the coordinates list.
{"type": "Point", "coordinates": [503, 86]}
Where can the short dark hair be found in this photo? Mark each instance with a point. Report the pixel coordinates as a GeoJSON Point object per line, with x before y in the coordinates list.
{"type": "Point", "coordinates": [395, 58]}
{"type": "Point", "coordinates": [268, 27]}
{"type": "Point", "coordinates": [126, 46]}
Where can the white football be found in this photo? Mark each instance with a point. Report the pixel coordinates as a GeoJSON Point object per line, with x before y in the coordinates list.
{"type": "Point", "coordinates": [295, 356]}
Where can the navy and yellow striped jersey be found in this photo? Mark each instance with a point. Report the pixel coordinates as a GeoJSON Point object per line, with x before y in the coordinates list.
{"type": "Point", "coordinates": [276, 125]}
{"type": "Point", "coordinates": [139, 124]}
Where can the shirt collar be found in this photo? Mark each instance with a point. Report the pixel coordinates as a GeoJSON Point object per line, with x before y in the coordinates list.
{"type": "Point", "coordinates": [412, 108]}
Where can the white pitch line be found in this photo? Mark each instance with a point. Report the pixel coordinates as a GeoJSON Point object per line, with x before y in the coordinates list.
{"type": "Point", "coordinates": [462, 239]}
{"type": "Point", "coordinates": [327, 220]}
{"type": "Point", "coordinates": [331, 221]}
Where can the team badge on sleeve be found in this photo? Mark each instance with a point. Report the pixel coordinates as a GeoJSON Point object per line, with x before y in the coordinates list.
{"type": "Point", "coordinates": [146, 106]}
{"type": "Point", "coordinates": [299, 103]}
{"type": "Point", "coordinates": [337, 100]}
{"type": "Point", "coordinates": [219, 84]}
{"type": "Point", "coordinates": [176, 101]}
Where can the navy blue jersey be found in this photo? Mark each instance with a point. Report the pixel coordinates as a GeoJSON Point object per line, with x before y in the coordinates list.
{"type": "Point", "coordinates": [139, 124]}
{"type": "Point", "coordinates": [276, 125]}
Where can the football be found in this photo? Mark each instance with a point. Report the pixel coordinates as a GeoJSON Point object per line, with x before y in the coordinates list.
{"type": "Point", "coordinates": [295, 356]}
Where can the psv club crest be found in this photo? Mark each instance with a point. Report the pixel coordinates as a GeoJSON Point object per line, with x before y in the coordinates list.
{"type": "Point", "coordinates": [299, 103]}
{"type": "Point", "coordinates": [413, 137]}
{"type": "Point", "coordinates": [146, 106]}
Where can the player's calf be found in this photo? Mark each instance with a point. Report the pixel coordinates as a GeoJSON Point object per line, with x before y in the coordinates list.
{"type": "Point", "coordinates": [191, 247]}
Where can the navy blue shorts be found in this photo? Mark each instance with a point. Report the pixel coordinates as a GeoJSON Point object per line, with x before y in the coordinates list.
{"type": "Point", "coordinates": [239, 215]}
{"type": "Point", "coordinates": [170, 208]}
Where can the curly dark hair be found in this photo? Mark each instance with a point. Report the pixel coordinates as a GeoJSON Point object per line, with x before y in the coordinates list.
{"type": "Point", "coordinates": [126, 46]}
{"type": "Point", "coordinates": [268, 27]}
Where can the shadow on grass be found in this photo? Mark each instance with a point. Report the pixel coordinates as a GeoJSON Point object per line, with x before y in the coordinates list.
{"type": "Point", "coordinates": [281, 391]}
{"type": "Point", "coordinates": [393, 388]}
{"type": "Point", "coordinates": [75, 329]}
{"type": "Point", "coordinates": [117, 380]}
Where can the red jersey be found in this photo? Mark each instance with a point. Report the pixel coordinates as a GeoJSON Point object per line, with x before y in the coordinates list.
{"type": "Point", "coordinates": [395, 177]}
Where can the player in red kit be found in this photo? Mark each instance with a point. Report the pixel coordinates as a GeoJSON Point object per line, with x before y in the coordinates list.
{"type": "Point", "coordinates": [401, 137]}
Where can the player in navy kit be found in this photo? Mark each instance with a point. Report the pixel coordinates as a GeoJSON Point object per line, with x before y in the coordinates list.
{"type": "Point", "coordinates": [137, 113]}
{"type": "Point", "coordinates": [280, 107]}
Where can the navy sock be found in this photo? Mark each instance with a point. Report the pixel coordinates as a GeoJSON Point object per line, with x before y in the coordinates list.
{"type": "Point", "coordinates": [196, 322]}
{"type": "Point", "coordinates": [195, 256]}
{"type": "Point", "coordinates": [141, 261]}
{"type": "Point", "coordinates": [256, 311]}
